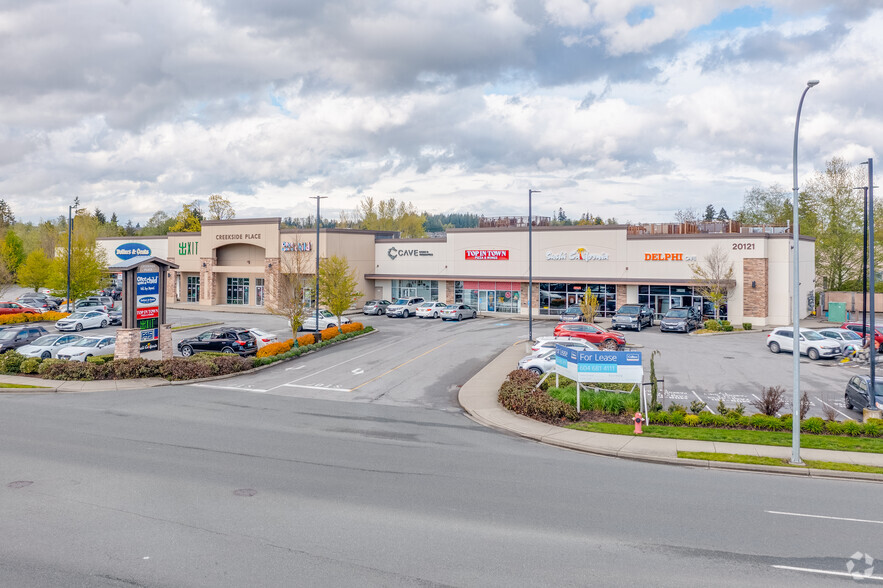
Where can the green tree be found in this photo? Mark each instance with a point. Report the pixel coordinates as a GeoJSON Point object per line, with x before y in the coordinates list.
{"type": "Point", "coordinates": [158, 224]}
{"type": "Point", "coordinates": [6, 217]}
{"type": "Point", "coordinates": [765, 206]}
{"type": "Point", "coordinates": [12, 250]}
{"type": "Point", "coordinates": [35, 271]}
{"type": "Point", "coordinates": [709, 212]}
{"type": "Point", "coordinates": [722, 215]}
{"type": "Point", "coordinates": [589, 306]}
{"type": "Point", "coordinates": [188, 220]}
{"type": "Point", "coordinates": [219, 208]}
{"type": "Point", "coordinates": [288, 299]}
{"type": "Point", "coordinates": [389, 215]}
{"type": "Point", "coordinates": [337, 285]}
{"type": "Point", "coordinates": [88, 269]}
{"type": "Point", "coordinates": [713, 276]}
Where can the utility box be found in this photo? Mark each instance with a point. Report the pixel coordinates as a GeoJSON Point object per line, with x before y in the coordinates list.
{"type": "Point", "coordinates": [836, 312]}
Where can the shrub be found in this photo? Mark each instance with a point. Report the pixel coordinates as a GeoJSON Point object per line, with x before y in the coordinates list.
{"type": "Point", "coordinates": [872, 428]}
{"type": "Point", "coordinates": [675, 407]}
{"type": "Point", "coordinates": [305, 340]}
{"type": "Point", "coordinates": [691, 420]}
{"type": "Point", "coordinates": [272, 349]}
{"type": "Point", "coordinates": [179, 368]}
{"type": "Point", "coordinates": [739, 409]}
{"type": "Point", "coordinates": [329, 333]}
{"type": "Point", "coordinates": [852, 428]}
{"type": "Point", "coordinates": [519, 394]}
{"type": "Point", "coordinates": [725, 323]}
{"type": "Point", "coordinates": [22, 317]}
{"type": "Point", "coordinates": [30, 365]}
{"type": "Point", "coordinates": [72, 370]}
{"type": "Point", "coordinates": [707, 419]}
{"type": "Point", "coordinates": [771, 400]}
{"type": "Point", "coordinates": [804, 406]}
{"type": "Point", "coordinates": [676, 418]}
{"type": "Point", "coordinates": [833, 428]}
{"type": "Point", "coordinates": [829, 412]}
{"type": "Point", "coordinates": [712, 325]}
{"type": "Point", "coordinates": [728, 328]}
{"type": "Point", "coordinates": [46, 364]}
{"type": "Point", "coordinates": [100, 359]}
{"type": "Point", "coordinates": [12, 362]}
{"type": "Point", "coordinates": [746, 326]}
{"type": "Point", "coordinates": [660, 418]}
{"type": "Point", "coordinates": [814, 425]}
{"type": "Point", "coordinates": [697, 406]}
{"type": "Point", "coordinates": [351, 327]}
{"type": "Point", "coordinates": [722, 408]}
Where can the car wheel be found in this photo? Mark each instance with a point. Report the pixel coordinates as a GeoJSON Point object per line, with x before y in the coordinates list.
{"type": "Point", "coordinates": [227, 350]}
{"type": "Point", "coordinates": [774, 347]}
{"type": "Point", "coordinates": [45, 355]}
{"type": "Point", "coordinates": [609, 345]}
{"type": "Point", "coordinates": [473, 314]}
{"type": "Point", "coordinates": [435, 315]}
{"type": "Point", "coordinates": [405, 314]}
{"type": "Point", "coordinates": [639, 326]}
{"type": "Point", "coordinates": [103, 323]}
{"type": "Point", "coordinates": [536, 370]}
{"type": "Point", "coordinates": [847, 402]}
{"type": "Point", "coordinates": [187, 351]}
{"type": "Point", "coordinates": [459, 317]}
{"type": "Point", "coordinates": [813, 353]}
{"type": "Point", "coordinates": [79, 327]}
{"type": "Point", "coordinates": [378, 312]}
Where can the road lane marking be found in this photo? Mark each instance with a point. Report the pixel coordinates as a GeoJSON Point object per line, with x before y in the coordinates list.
{"type": "Point", "coordinates": [331, 367]}
{"type": "Point", "coordinates": [300, 367]}
{"type": "Point", "coordinates": [402, 365]}
{"type": "Point", "coordinates": [826, 404]}
{"type": "Point", "coordinates": [240, 389]}
{"type": "Point", "coordinates": [700, 400]}
{"type": "Point", "coordinates": [856, 575]}
{"type": "Point", "coordinates": [318, 388]}
{"type": "Point", "coordinates": [812, 516]}
{"type": "Point", "coordinates": [358, 371]}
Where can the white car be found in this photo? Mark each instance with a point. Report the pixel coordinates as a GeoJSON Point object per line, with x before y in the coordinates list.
{"type": "Point", "coordinates": [88, 347]}
{"type": "Point", "coordinates": [263, 338]}
{"type": "Point", "coordinates": [326, 319]}
{"type": "Point", "coordinates": [404, 307]}
{"type": "Point", "coordinates": [48, 345]}
{"type": "Point", "coordinates": [83, 320]}
{"type": "Point", "coordinates": [543, 344]}
{"type": "Point", "coordinates": [539, 363]}
{"type": "Point", "coordinates": [457, 312]}
{"type": "Point", "coordinates": [430, 309]}
{"type": "Point", "coordinates": [812, 344]}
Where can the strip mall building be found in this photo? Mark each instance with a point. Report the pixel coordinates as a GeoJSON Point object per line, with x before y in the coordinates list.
{"type": "Point", "coordinates": [238, 262]}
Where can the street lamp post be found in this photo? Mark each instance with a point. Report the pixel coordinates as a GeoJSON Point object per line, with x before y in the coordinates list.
{"type": "Point", "coordinates": [70, 230]}
{"type": "Point", "coordinates": [795, 297]}
{"type": "Point", "coordinates": [318, 199]}
{"type": "Point", "coordinates": [530, 194]}
{"type": "Point", "coordinates": [871, 329]}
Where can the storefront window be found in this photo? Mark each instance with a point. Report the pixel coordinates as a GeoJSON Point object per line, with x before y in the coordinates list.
{"type": "Point", "coordinates": [661, 298]}
{"type": "Point", "coordinates": [555, 298]}
{"type": "Point", "coordinates": [192, 288]}
{"type": "Point", "coordinates": [237, 290]}
{"type": "Point", "coordinates": [426, 289]}
{"type": "Point", "coordinates": [489, 296]}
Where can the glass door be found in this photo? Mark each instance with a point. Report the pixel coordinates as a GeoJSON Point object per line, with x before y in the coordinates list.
{"type": "Point", "coordinates": [237, 290]}
{"type": "Point", "coordinates": [409, 292]}
{"type": "Point", "coordinates": [259, 291]}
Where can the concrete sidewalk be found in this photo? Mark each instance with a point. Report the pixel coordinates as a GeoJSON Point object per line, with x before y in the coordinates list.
{"type": "Point", "coordinates": [478, 397]}
{"type": "Point", "coordinates": [75, 385]}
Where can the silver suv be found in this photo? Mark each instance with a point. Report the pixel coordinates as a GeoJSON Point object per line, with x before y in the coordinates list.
{"type": "Point", "coordinates": [633, 316]}
{"type": "Point", "coordinates": [404, 307]}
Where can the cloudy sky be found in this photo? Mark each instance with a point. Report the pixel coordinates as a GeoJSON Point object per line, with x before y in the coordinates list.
{"type": "Point", "coordinates": [627, 109]}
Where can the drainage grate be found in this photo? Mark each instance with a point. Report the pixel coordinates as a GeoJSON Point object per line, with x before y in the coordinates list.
{"type": "Point", "coordinates": [19, 484]}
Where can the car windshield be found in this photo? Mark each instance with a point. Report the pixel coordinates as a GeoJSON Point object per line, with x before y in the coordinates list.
{"type": "Point", "coordinates": [680, 313]}
{"type": "Point", "coordinates": [88, 342]}
{"type": "Point", "coordinates": [850, 335]}
{"type": "Point", "coordinates": [8, 333]}
{"type": "Point", "coordinates": [811, 335]}
{"type": "Point", "coordinates": [628, 310]}
{"type": "Point", "coordinates": [77, 315]}
{"type": "Point", "coordinates": [402, 301]}
{"type": "Point", "coordinates": [46, 340]}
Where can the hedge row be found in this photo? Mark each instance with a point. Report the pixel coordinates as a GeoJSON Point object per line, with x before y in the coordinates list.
{"type": "Point", "coordinates": [301, 349]}
{"type": "Point", "coordinates": [762, 422]}
{"type": "Point", "coordinates": [278, 348]}
{"type": "Point", "coordinates": [520, 394]}
{"type": "Point", "coordinates": [25, 317]}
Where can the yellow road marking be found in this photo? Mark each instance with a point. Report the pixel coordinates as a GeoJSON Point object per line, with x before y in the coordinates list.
{"type": "Point", "coordinates": [401, 365]}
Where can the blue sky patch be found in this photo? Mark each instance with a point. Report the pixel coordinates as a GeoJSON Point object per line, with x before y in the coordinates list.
{"type": "Point", "coordinates": [639, 14]}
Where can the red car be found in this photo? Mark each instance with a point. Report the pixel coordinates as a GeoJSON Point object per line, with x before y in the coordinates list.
{"type": "Point", "coordinates": [15, 308]}
{"type": "Point", "coordinates": [592, 333]}
{"type": "Point", "coordinates": [858, 328]}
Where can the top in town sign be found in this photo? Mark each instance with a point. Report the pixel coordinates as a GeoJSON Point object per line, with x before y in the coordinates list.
{"type": "Point", "coordinates": [487, 254]}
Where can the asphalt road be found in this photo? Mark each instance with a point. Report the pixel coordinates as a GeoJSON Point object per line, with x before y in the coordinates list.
{"type": "Point", "coordinates": [192, 486]}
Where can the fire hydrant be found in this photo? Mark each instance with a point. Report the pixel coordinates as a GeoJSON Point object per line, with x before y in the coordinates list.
{"type": "Point", "coordinates": [639, 420]}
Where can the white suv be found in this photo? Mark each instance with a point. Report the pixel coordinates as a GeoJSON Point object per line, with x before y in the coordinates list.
{"type": "Point", "coordinates": [812, 344]}
{"type": "Point", "coordinates": [404, 307]}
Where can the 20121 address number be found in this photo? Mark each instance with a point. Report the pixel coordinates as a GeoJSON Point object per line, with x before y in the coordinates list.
{"type": "Point", "coordinates": [742, 246]}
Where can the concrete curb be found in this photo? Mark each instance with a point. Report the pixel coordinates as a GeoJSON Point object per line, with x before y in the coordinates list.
{"type": "Point", "coordinates": [478, 398]}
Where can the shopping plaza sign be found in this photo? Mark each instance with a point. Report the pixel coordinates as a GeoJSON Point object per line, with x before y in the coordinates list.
{"type": "Point", "coordinates": [578, 254]}
{"type": "Point", "coordinates": [487, 254]}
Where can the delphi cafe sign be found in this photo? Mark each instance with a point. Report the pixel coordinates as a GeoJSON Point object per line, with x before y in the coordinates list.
{"type": "Point", "coordinates": [487, 254]}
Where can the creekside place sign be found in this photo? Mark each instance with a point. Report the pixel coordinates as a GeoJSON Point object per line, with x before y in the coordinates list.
{"type": "Point", "coordinates": [599, 366]}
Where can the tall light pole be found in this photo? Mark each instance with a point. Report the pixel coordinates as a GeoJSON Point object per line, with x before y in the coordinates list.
{"type": "Point", "coordinates": [318, 200]}
{"type": "Point", "coordinates": [70, 230]}
{"type": "Point", "coordinates": [530, 194]}
{"type": "Point", "coordinates": [870, 329]}
{"type": "Point", "coordinates": [795, 297]}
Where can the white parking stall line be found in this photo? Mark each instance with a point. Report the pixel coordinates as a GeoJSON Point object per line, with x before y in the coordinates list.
{"type": "Point", "coordinates": [856, 576]}
{"type": "Point", "coordinates": [318, 388]}
{"type": "Point", "coordinates": [826, 404]}
{"type": "Point", "coordinates": [830, 518]}
{"type": "Point", "coordinates": [700, 400]}
{"type": "Point", "coordinates": [238, 388]}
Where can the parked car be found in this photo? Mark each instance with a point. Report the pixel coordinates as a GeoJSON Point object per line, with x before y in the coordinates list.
{"type": "Point", "coordinates": [633, 316]}
{"type": "Point", "coordinates": [80, 320]}
{"type": "Point", "coordinates": [48, 345]}
{"type": "Point", "coordinates": [681, 318]}
{"type": "Point", "coordinates": [404, 307]}
{"type": "Point", "coordinates": [17, 336]}
{"type": "Point", "coordinates": [115, 317]}
{"type": "Point", "coordinates": [571, 315]}
{"type": "Point", "coordinates": [857, 397]}
{"type": "Point", "coordinates": [377, 307]}
{"type": "Point", "coordinates": [224, 339]}
{"type": "Point", "coordinates": [430, 309]}
{"type": "Point", "coordinates": [539, 363]}
{"type": "Point", "coordinates": [88, 347]}
{"type": "Point", "coordinates": [543, 344]}
{"type": "Point", "coordinates": [263, 338]}
{"type": "Point", "coordinates": [115, 292]}
{"type": "Point", "coordinates": [812, 344]}
{"type": "Point", "coordinates": [16, 308]}
{"type": "Point", "coordinates": [87, 304]}
{"type": "Point", "coordinates": [326, 319]}
{"type": "Point", "coordinates": [40, 304]}
{"type": "Point", "coordinates": [846, 338]}
{"type": "Point", "coordinates": [592, 333]}
{"type": "Point", "coordinates": [457, 312]}
{"type": "Point", "coordinates": [861, 330]}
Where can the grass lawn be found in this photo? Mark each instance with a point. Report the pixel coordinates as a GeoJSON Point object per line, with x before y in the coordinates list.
{"type": "Point", "coordinates": [777, 438]}
{"type": "Point", "coordinates": [2, 385]}
{"type": "Point", "coordinates": [774, 461]}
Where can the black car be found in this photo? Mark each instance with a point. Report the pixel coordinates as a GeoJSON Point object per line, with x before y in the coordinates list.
{"type": "Point", "coordinates": [115, 317]}
{"type": "Point", "coordinates": [856, 396]}
{"type": "Point", "coordinates": [633, 316]}
{"type": "Point", "coordinates": [224, 339]}
{"type": "Point", "coordinates": [572, 315]}
{"type": "Point", "coordinates": [681, 318]}
{"type": "Point", "coordinates": [15, 337]}
{"type": "Point", "coordinates": [42, 304]}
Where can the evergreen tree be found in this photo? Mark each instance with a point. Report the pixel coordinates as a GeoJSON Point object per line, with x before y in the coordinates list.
{"type": "Point", "coordinates": [722, 215]}
{"type": "Point", "coordinates": [709, 212]}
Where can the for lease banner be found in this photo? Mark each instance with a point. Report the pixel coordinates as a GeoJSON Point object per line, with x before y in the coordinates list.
{"type": "Point", "coordinates": [487, 254]}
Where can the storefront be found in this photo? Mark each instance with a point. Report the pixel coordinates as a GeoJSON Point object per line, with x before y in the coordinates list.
{"type": "Point", "coordinates": [240, 262]}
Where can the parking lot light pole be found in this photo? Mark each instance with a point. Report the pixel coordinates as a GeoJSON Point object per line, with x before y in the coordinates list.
{"type": "Point", "coordinates": [70, 230]}
{"type": "Point", "coordinates": [795, 296]}
{"type": "Point", "coordinates": [530, 194]}
{"type": "Point", "coordinates": [871, 328]}
{"type": "Point", "coordinates": [318, 199]}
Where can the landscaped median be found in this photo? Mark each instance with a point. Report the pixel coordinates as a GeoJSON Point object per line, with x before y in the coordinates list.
{"type": "Point", "coordinates": [27, 317]}
{"type": "Point", "coordinates": [200, 365]}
